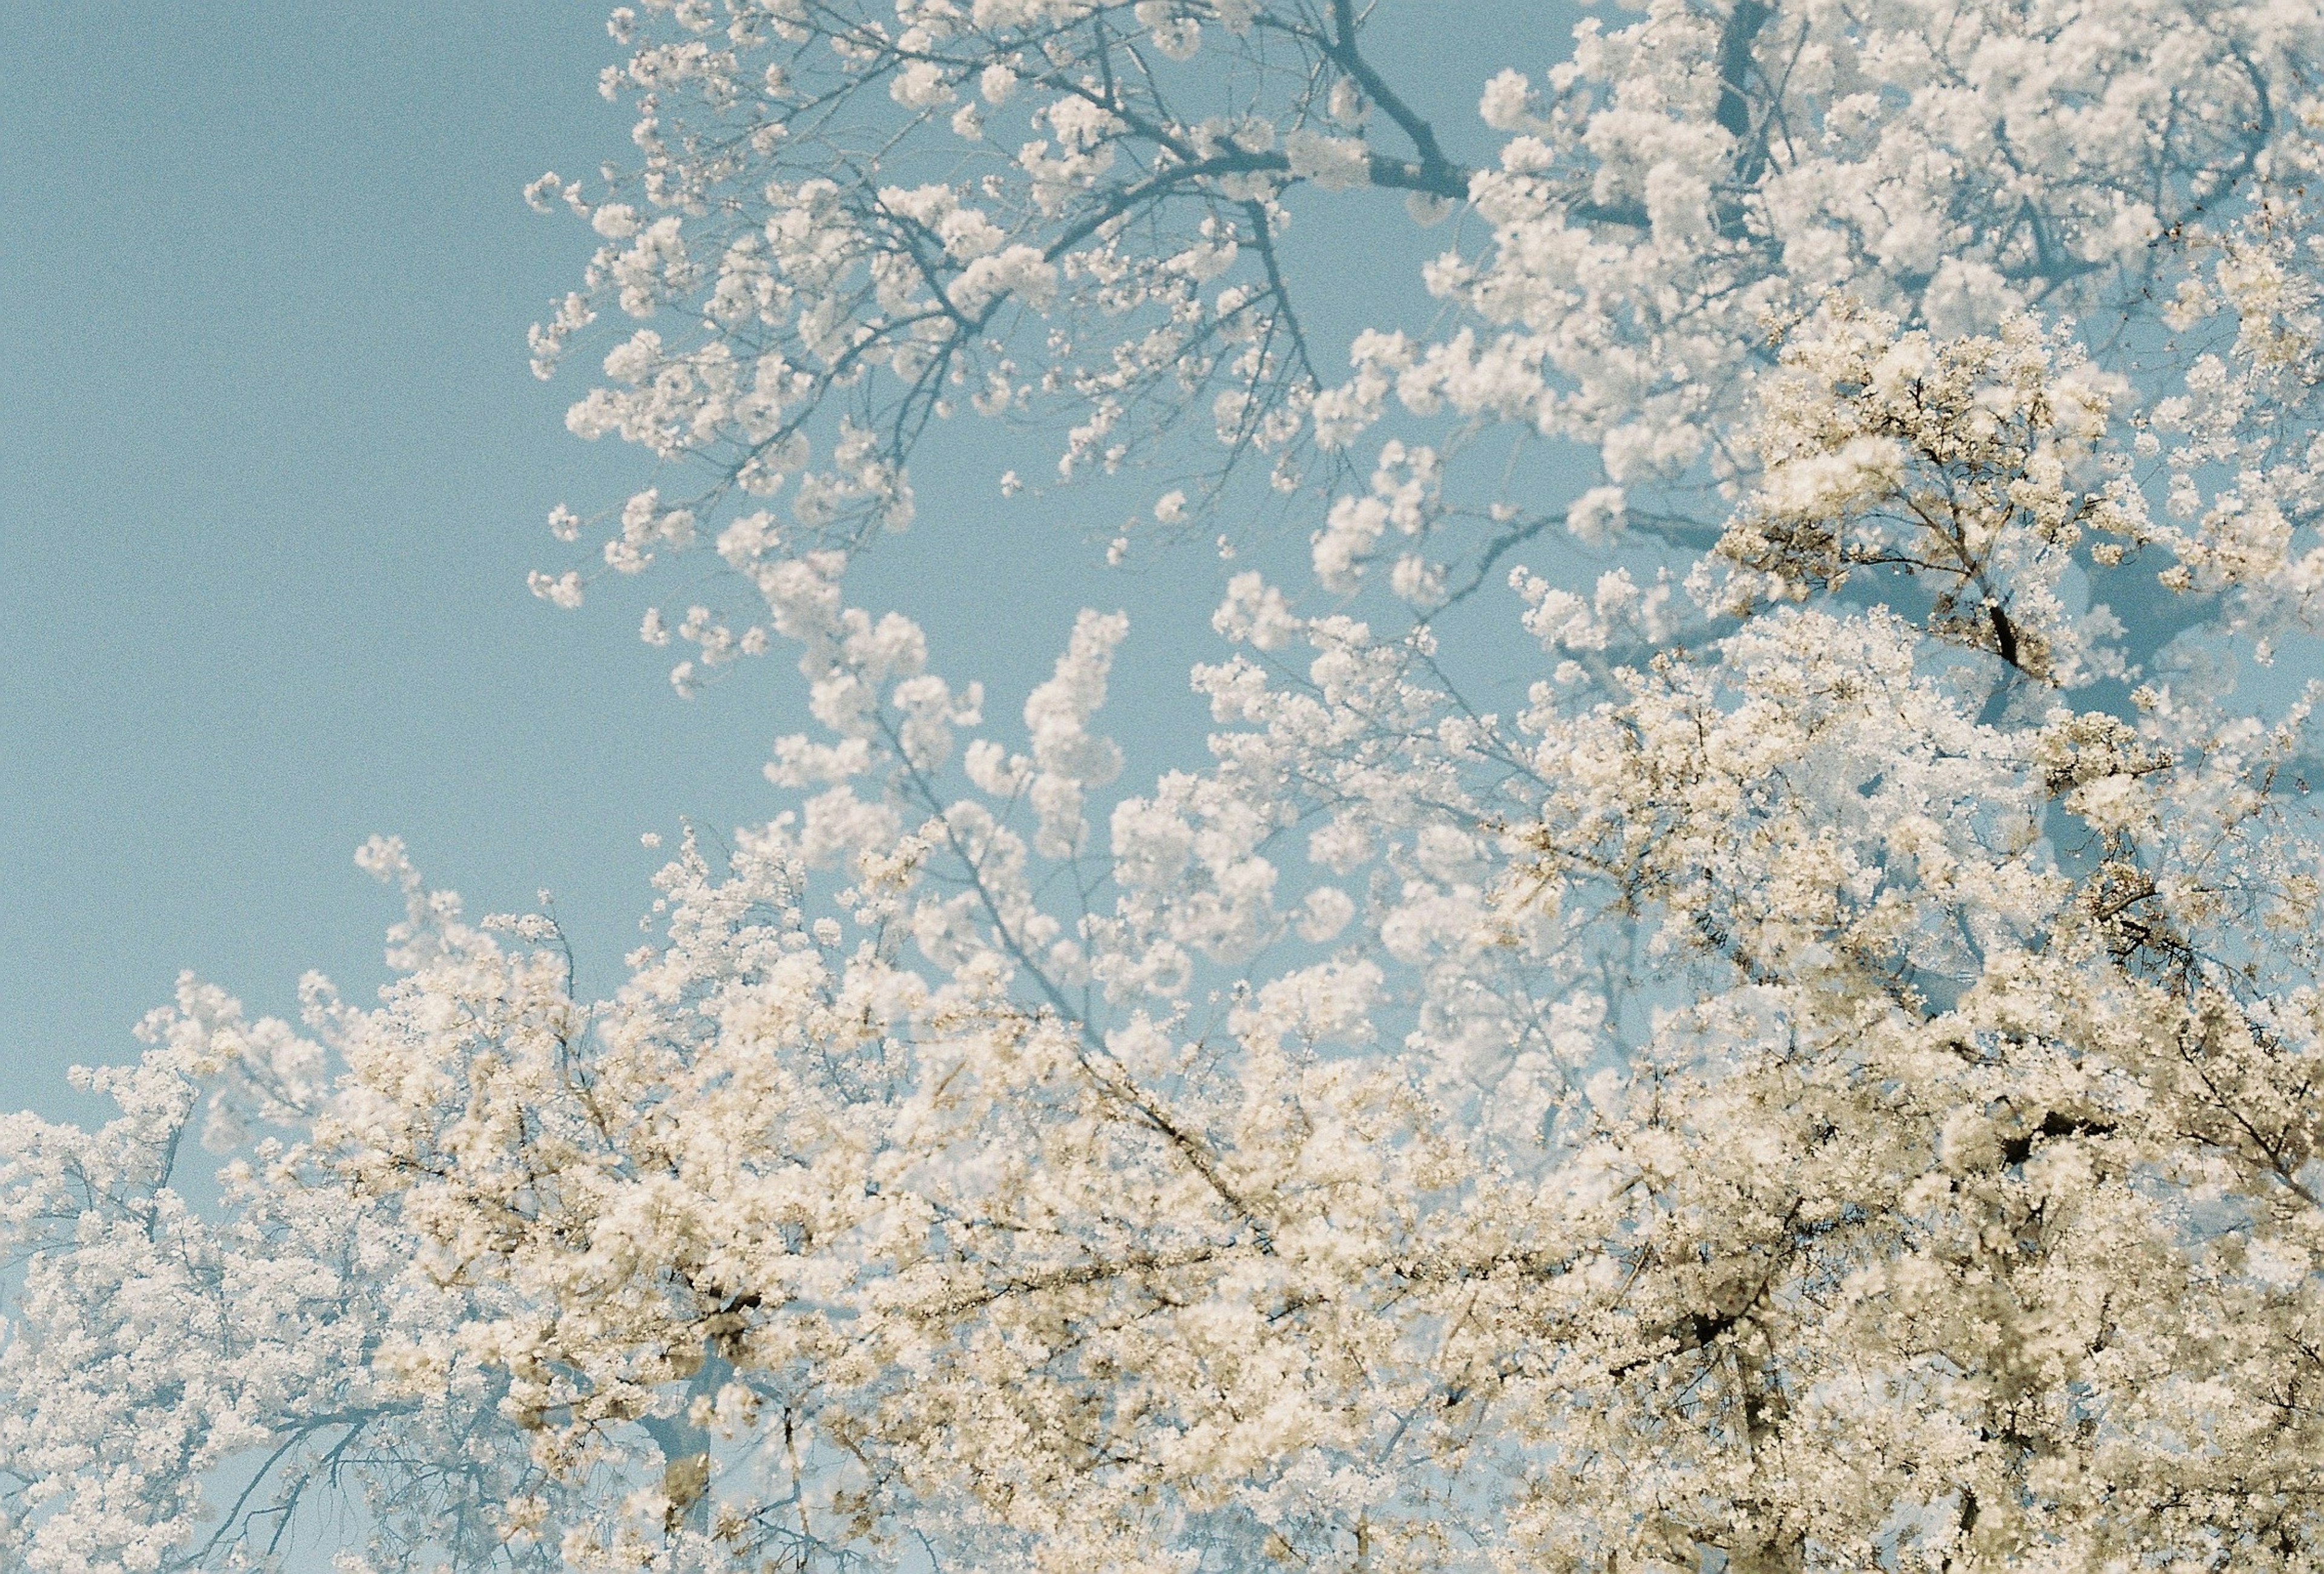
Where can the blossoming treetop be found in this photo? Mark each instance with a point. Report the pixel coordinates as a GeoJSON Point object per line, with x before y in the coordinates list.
{"type": "Point", "coordinates": [1829, 1081]}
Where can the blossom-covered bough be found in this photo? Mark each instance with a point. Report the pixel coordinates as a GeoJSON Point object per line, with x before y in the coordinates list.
{"type": "Point", "coordinates": [1830, 1080]}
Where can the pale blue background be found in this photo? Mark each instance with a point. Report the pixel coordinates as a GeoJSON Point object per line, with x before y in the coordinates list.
{"type": "Point", "coordinates": [273, 470]}
{"type": "Point", "coordinates": [271, 467]}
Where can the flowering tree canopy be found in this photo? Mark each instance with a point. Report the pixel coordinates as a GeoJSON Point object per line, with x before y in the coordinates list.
{"type": "Point", "coordinates": [1830, 1080]}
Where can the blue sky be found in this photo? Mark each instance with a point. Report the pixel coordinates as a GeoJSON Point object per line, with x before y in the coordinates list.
{"type": "Point", "coordinates": [275, 470]}
{"type": "Point", "coordinates": [273, 455]}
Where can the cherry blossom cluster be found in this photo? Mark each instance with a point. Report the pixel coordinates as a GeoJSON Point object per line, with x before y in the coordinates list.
{"type": "Point", "coordinates": [1796, 1049]}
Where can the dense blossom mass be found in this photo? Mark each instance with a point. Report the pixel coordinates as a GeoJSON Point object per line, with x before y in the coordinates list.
{"type": "Point", "coordinates": [1828, 1079]}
